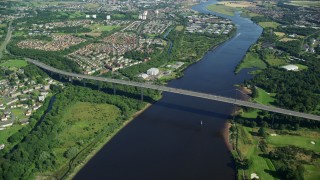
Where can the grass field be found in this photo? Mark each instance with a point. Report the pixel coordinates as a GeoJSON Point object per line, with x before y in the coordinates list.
{"type": "Point", "coordinates": [179, 28]}
{"type": "Point", "coordinates": [312, 172]}
{"type": "Point", "coordinates": [240, 4]}
{"type": "Point", "coordinates": [287, 39]}
{"type": "Point", "coordinates": [302, 139]}
{"type": "Point", "coordinates": [3, 25]}
{"type": "Point", "coordinates": [248, 146]}
{"type": "Point", "coordinates": [250, 114]}
{"type": "Point", "coordinates": [14, 63]}
{"type": "Point", "coordinates": [100, 28]}
{"type": "Point", "coordinates": [280, 34]}
{"type": "Point", "coordinates": [221, 9]}
{"type": "Point", "coordinates": [83, 121]}
{"type": "Point", "coordinates": [301, 67]}
{"type": "Point", "coordinates": [272, 60]}
{"type": "Point", "coordinates": [251, 60]}
{"type": "Point", "coordinates": [118, 15]}
{"type": "Point", "coordinates": [269, 24]}
{"type": "Point", "coordinates": [5, 134]}
{"type": "Point", "coordinates": [19, 113]}
{"type": "Point", "coordinates": [264, 97]}
{"type": "Point", "coordinates": [305, 3]}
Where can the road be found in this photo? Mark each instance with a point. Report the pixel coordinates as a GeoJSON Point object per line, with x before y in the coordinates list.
{"type": "Point", "coordinates": [179, 91]}
{"type": "Point", "coordinates": [6, 41]}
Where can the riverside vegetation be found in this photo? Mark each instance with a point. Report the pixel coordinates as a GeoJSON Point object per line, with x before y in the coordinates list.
{"type": "Point", "coordinates": [271, 145]}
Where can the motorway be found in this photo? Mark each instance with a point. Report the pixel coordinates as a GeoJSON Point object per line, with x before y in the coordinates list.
{"type": "Point", "coordinates": [178, 91]}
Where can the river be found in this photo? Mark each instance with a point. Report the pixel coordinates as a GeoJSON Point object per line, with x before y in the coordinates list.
{"type": "Point", "coordinates": [167, 141]}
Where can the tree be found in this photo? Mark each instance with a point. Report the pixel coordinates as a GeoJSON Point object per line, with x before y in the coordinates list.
{"type": "Point", "coordinates": [262, 132]}
{"type": "Point", "coordinates": [70, 153]}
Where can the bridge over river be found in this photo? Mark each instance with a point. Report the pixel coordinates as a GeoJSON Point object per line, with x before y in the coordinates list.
{"type": "Point", "coordinates": [178, 91]}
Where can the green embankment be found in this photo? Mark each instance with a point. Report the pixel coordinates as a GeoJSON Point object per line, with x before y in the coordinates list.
{"type": "Point", "coordinates": [83, 120]}
{"type": "Point", "coordinates": [251, 60]}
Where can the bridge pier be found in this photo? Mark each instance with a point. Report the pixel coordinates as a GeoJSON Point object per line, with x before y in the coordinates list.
{"type": "Point", "coordinates": [70, 79]}
{"type": "Point", "coordinates": [60, 76]}
{"type": "Point", "coordinates": [84, 83]}
{"type": "Point", "coordinates": [114, 89]}
{"type": "Point", "coordinates": [141, 94]}
{"type": "Point", "coordinates": [98, 84]}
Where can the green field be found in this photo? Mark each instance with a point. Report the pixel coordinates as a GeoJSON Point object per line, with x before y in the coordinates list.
{"type": "Point", "coordinates": [264, 97]}
{"type": "Point", "coordinates": [118, 15]}
{"type": "Point", "coordinates": [248, 146]}
{"type": "Point", "coordinates": [250, 114]}
{"type": "Point", "coordinates": [269, 24]}
{"type": "Point", "coordinates": [14, 63]}
{"type": "Point", "coordinates": [83, 121]}
{"type": "Point", "coordinates": [5, 134]}
{"type": "Point", "coordinates": [19, 113]}
{"type": "Point", "coordinates": [3, 25]}
{"type": "Point", "coordinates": [312, 172]}
{"type": "Point", "coordinates": [222, 9]}
{"type": "Point", "coordinates": [306, 3]}
{"type": "Point", "coordinates": [302, 141]}
{"type": "Point", "coordinates": [301, 67]}
{"type": "Point", "coordinates": [179, 28]}
{"type": "Point", "coordinates": [272, 60]}
{"type": "Point", "coordinates": [100, 28]}
{"type": "Point", "coordinates": [251, 60]}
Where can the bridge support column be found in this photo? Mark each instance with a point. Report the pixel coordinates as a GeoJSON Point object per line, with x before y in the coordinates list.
{"type": "Point", "coordinates": [60, 76]}
{"type": "Point", "coordinates": [84, 84]}
{"type": "Point", "coordinates": [70, 79]}
{"type": "Point", "coordinates": [98, 84]}
{"type": "Point", "coordinates": [141, 94]}
{"type": "Point", "coordinates": [114, 89]}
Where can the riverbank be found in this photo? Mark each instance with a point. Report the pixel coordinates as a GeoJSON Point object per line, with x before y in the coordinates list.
{"type": "Point", "coordinates": [102, 143]}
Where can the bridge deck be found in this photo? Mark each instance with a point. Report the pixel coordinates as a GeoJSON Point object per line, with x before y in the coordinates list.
{"type": "Point", "coordinates": [179, 91]}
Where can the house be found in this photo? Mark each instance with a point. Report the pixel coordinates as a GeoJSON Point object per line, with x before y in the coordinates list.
{"type": "Point", "coordinates": [6, 125]}
{"type": "Point", "coordinates": [153, 71]}
{"type": "Point", "coordinates": [291, 67]}
{"type": "Point", "coordinates": [144, 76]}
{"type": "Point", "coordinates": [2, 146]}
{"type": "Point", "coordinates": [28, 113]}
{"type": "Point", "coordinates": [41, 98]}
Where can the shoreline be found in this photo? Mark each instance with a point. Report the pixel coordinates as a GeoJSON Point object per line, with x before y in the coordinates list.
{"type": "Point", "coordinates": [100, 145]}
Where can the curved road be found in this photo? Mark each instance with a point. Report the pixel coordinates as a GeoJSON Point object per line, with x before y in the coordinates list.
{"type": "Point", "coordinates": [178, 91]}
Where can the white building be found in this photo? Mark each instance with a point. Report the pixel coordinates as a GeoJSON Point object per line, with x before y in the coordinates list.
{"type": "Point", "coordinates": [87, 16]}
{"type": "Point", "coordinates": [291, 67]}
{"type": "Point", "coordinates": [108, 17]}
{"type": "Point", "coordinates": [153, 71]}
{"type": "Point", "coordinates": [144, 75]}
{"type": "Point", "coordinates": [94, 16]}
